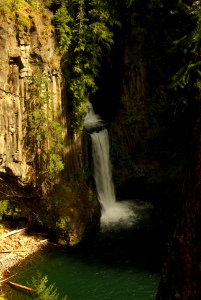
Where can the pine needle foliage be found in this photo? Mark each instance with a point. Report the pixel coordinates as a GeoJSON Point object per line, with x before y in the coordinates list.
{"type": "Point", "coordinates": [44, 131]}
{"type": "Point", "coordinates": [41, 291]}
{"type": "Point", "coordinates": [189, 47]}
{"type": "Point", "coordinates": [83, 33]}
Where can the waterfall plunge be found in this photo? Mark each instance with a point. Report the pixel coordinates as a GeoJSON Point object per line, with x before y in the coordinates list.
{"type": "Point", "coordinates": [114, 212]}
{"type": "Point", "coordinates": [102, 169]}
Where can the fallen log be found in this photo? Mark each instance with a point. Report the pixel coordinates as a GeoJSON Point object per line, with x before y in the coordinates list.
{"type": "Point", "coordinates": [39, 233]}
{"type": "Point", "coordinates": [6, 257]}
{"type": "Point", "coordinates": [20, 286]}
{"type": "Point", "coordinates": [7, 278]}
{"type": "Point", "coordinates": [50, 243]}
{"type": "Point", "coordinates": [9, 251]}
{"type": "Point", "coordinates": [5, 274]}
{"type": "Point", "coordinates": [3, 246]}
{"type": "Point", "coordinates": [12, 232]}
{"type": "Point", "coordinates": [43, 241]}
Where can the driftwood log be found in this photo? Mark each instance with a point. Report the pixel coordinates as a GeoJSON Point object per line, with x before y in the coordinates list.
{"type": "Point", "coordinates": [10, 233]}
{"type": "Point", "coordinates": [7, 278]}
{"type": "Point", "coordinates": [20, 286]}
{"type": "Point", "coordinates": [8, 251]}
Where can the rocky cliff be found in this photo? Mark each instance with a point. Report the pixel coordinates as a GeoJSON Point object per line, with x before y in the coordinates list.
{"type": "Point", "coordinates": [27, 41]}
{"type": "Point", "coordinates": [21, 51]}
{"type": "Point", "coordinates": [146, 136]}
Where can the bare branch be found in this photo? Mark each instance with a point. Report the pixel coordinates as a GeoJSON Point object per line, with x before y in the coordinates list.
{"type": "Point", "coordinates": [12, 93]}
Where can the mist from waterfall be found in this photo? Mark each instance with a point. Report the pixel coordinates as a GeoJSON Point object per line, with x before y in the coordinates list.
{"type": "Point", "coordinates": [114, 213]}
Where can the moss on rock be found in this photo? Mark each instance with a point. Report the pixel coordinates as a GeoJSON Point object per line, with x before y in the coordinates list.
{"type": "Point", "coordinates": [71, 211]}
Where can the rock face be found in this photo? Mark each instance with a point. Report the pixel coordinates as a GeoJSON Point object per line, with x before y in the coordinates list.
{"type": "Point", "coordinates": [20, 52]}
{"type": "Point", "coordinates": [146, 140]}
{"type": "Point", "coordinates": [128, 131]}
{"type": "Point", "coordinates": [72, 208]}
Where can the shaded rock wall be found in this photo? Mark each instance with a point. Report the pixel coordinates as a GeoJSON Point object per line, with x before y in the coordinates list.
{"type": "Point", "coordinates": [128, 130]}
{"type": "Point", "coordinates": [135, 89]}
{"type": "Point", "coordinates": [146, 137]}
{"type": "Point", "coordinates": [20, 53]}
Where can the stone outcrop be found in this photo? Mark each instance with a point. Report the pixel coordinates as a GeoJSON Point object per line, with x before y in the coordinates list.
{"type": "Point", "coordinates": [69, 208]}
{"type": "Point", "coordinates": [20, 53]}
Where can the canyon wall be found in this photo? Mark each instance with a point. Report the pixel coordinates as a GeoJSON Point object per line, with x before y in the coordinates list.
{"type": "Point", "coordinates": [68, 208]}
{"type": "Point", "coordinates": [146, 136]}
{"type": "Point", "coordinates": [20, 52]}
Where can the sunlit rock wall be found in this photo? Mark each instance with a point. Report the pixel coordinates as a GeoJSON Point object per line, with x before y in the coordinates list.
{"type": "Point", "coordinates": [20, 53]}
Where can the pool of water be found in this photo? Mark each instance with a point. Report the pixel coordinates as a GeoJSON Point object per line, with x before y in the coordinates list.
{"type": "Point", "coordinates": [115, 262]}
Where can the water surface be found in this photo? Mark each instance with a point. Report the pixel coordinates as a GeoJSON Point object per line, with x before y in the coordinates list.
{"type": "Point", "coordinates": [115, 262]}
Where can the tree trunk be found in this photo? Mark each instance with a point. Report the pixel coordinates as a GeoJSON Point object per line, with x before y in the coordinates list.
{"type": "Point", "coordinates": [181, 273]}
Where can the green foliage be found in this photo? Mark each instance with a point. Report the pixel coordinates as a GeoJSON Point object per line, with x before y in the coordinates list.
{"type": "Point", "coordinates": [36, 4]}
{"type": "Point", "coordinates": [75, 241]}
{"type": "Point", "coordinates": [22, 23]}
{"type": "Point", "coordinates": [2, 297]}
{"type": "Point", "coordinates": [55, 201]}
{"type": "Point", "coordinates": [62, 23]}
{"type": "Point", "coordinates": [63, 222]}
{"type": "Point", "coordinates": [46, 134]}
{"type": "Point", "coordinates": [7, 7]}
{"type": "Point", "coordinates": [3, 207]}
{"type": "Point", "coordinates": [11, 10]}
{"type": "Point", "coordinates": [1, 227]}
{"type": "Point", "coordinates": [81, 175]}
{"type": "Point", "coordinates": [82, 29]}
{"type": "Point", "coordinates": [41, 291]}
{"type": "Point", "coordinates": [188, 47]}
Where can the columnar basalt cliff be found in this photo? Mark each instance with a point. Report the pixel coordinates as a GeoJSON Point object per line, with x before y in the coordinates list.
{"type": "Point", "coordinates": [20, 53]}
{"type": "Point", "coordinates": [142, 152]}
{"type": "Point", "coordinates": [129, 127]}
{"type": "Point", "coordinates": [22, 50]}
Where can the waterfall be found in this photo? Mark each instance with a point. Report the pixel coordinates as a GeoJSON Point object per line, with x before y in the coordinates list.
{"type": "Point", "coordinates": [113, 212]}
{"type": "Point", "coordinates": [102, 169]}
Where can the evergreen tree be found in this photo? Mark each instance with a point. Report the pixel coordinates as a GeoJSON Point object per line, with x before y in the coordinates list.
{"type": "Point", "coordinates": [181, 269]}
{"type": "Point", "coordinates": [189, 46]}
{"type": "Point", "coordinates": [45, 133]}
{"type": "Point", "coordinates": [83, 31]}
{"type": "Point", "coordinates": [42, 292]}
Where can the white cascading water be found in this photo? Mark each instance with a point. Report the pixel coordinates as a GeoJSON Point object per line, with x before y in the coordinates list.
{"type": "Point", "coordinates": [102, 169]}
{"type": "Point", "coordinates": [91, 119]}
{"type": "Point", "coordinates": [114, 212]}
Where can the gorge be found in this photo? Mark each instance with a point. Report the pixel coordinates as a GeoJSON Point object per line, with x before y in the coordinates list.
{"type": "Point", "coordinates": [132, 178]}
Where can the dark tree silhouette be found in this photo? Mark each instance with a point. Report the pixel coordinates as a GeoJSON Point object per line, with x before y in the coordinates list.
{"type": "Point", "coordinates": [181, 273]}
